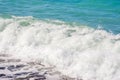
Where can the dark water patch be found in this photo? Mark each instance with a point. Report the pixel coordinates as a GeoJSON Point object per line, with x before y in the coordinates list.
{"type": "Point", "coordinates": [2, 68]}
{"type": "Point", "coordinates": [2, 75]}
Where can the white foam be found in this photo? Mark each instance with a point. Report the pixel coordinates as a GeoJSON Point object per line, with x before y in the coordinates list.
{"type": "Point", "coordinates": [80, 51]}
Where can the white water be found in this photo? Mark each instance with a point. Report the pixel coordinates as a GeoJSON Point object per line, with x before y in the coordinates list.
{"type": "Point", "coordinates": [79, 52]}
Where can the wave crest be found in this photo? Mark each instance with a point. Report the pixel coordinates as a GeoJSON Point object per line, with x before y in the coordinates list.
{"type": "Point", "coordinates": [78, 51]}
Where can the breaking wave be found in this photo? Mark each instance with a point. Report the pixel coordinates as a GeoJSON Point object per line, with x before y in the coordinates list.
{"type": "Point", "coordinates": [76, 51]}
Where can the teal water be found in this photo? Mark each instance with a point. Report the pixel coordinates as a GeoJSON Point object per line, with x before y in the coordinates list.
{"type": "Point", "coordinates": [93, 13]}
{"type": "Point", "coordinates": [61, 38]}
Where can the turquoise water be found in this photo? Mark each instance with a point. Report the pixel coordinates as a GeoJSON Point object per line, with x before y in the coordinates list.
{"type": "Point", "coordinates": [62, 36]}
{"type": "Point", "coordinates": [93, 13]}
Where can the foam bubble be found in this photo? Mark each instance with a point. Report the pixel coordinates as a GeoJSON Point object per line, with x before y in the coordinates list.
{"type": "Point", "coordinates": [78, 51]}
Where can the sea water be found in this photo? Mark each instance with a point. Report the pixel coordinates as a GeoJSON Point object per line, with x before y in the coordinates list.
{"type": "Point", "coordinates": [80, 38]}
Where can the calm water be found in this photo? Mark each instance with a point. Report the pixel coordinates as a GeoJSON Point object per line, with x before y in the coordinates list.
{"type": "Point", "coordinates": [94, 13]}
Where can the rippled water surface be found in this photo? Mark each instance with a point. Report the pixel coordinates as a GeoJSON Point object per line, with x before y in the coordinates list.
{"type": "Point", "coordinates": [94, 13]}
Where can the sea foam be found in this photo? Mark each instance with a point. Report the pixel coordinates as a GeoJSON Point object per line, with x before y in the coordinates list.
{"type": "Point", "coordinates": [75, 51]}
